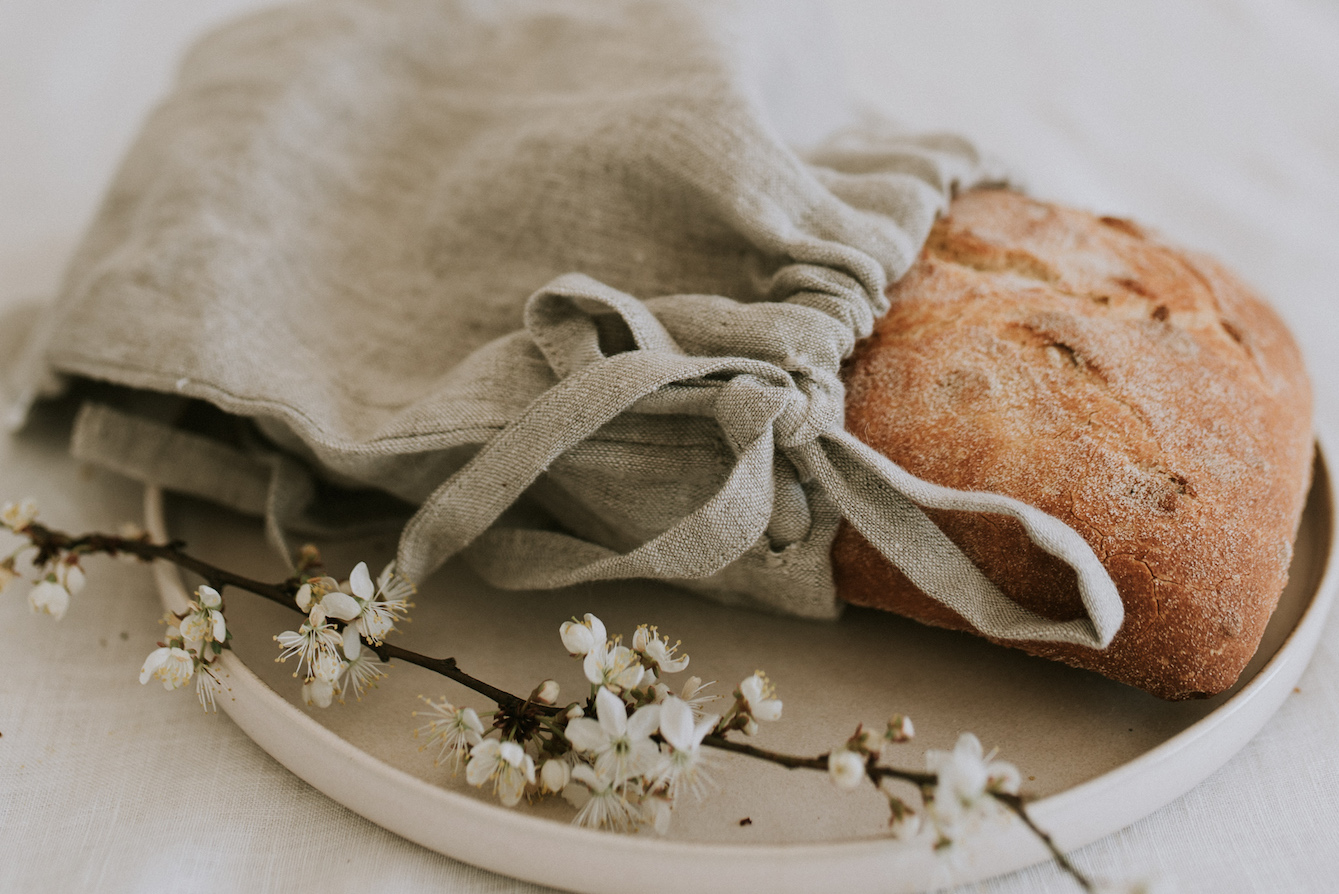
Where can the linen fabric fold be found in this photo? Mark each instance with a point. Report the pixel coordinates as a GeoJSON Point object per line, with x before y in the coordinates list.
{"type": "Point", "coordinates": [575, 279]}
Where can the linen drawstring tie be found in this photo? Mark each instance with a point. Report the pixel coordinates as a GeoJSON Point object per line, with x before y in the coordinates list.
{"type": "Point", "coordinates": [762, 409]}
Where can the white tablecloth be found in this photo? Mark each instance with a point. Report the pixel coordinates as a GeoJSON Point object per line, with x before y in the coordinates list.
{"type": "Point", "coordinates": [1216, 121]}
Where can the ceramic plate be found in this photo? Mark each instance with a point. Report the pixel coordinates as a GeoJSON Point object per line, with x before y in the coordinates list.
{"type": "Point", "coordinates": [1098, 755]}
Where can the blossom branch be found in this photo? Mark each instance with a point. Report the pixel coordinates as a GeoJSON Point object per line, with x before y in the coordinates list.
{"type": "Point", "coordinates": [628, 764]}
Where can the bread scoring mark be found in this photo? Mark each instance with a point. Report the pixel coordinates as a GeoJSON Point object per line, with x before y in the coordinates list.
{"type": "Point", "coordinates": [1155, 487]}
{"type": "Point", "coordinates": [1068, 353]}
{"type": "Point", "coordinates": [1124, 225]}
{"type": "Point", "coordinates": [966, 249]}
{"type": "Point", "coordinates": [1133, 285]}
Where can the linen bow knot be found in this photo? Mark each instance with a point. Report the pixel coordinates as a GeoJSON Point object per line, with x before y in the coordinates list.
{"type": "Point", "coordinates": [611, 355]}
{"type": "Point", "coordinates": [794, 408]}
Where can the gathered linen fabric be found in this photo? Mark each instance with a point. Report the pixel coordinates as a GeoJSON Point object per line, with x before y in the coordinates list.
{"type": "Point", "coordinates": [573, 280]}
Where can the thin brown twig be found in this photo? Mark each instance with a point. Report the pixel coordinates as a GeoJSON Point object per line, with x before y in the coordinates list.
{"type": "Point", "coordinates": [1019, 806]}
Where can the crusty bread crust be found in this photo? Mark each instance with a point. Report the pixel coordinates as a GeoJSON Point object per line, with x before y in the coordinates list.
{"type": "Point", "coordinates": [1138, 392]}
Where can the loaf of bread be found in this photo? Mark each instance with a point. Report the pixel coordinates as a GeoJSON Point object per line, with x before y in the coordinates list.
{"type": "Point", "coordinates": [1138, 392]}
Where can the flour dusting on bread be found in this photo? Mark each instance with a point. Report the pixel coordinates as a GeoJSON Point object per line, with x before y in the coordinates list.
{"type": "Point", "coordinates": [1136, 391]}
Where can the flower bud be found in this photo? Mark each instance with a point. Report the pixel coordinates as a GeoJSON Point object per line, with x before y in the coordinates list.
{"type": "Point", "coordinates": [545, 693]}
{"type": "Point", "coordinates": [72, 576]}
{"type": "Point", "coordinates": [303, 597]}
{"type": "Point", "coordinates": [862, 742]}
{"type": "Point", "coordinates": [309, 556]}
{"type": "Point", "coordinates": [899, 729]}
{"type": "Point", "coordinates": [846, 768]}
{"type": "Point", "coordinates": [554, 775]}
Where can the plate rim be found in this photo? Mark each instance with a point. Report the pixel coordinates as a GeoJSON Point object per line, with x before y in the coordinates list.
{"type": "Point", "coordinates": [468, 829]}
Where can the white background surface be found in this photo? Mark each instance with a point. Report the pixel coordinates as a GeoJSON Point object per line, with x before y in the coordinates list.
{"type": "Point", "coordinates": [1215, 121]}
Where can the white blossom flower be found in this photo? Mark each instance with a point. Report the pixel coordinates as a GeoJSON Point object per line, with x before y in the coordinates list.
{"type": "Point", "coordinates": [379, 606]}
{"type": "Point", "coordinates": [362, 668]}
{"type": "Point", "coordinates": [171, 665]}
{"type": "Point", "coordinates": [555, 774]}
{"type": "Point", "coordinates": [613, 666]}
{"type": "Point", "coordinates": [583, 637]}
{"type": "Point", "coordinates": [759, 698]}
{"type": "Point", "coordinates": [504, 763]}
{"type": "Point", "coordinates": [966, 778]}
{"type": "Point", "coordinates": [846, 768]}
{"type": "Point", "coordinates": [608, 805]}
{"type": "Point", "coordinates": [681, 763]}
{"type": "Point", "coordinates": [658, 650]}
{"type": "Point", "coordinates": [621, 745]}
{"type": "Point", "coordinates": [453, 730]}
{"type": "Point", "coordinates": [71, 577]}
{"type": "Point", "coordinates": [49, 597]}
{"type": "Point", "coordinates": [203, 621]}
{"type": "Point", "coordinates": [314, 644]}
{"type": "Point", "coordinates": [17, 516]}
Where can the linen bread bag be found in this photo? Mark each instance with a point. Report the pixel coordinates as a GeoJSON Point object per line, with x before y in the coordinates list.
{"type": "Point", "coordinates": [561, 288]}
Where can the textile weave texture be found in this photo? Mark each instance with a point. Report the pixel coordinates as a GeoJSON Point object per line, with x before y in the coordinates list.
{"type": "Point", "coordinates": [573, 279]}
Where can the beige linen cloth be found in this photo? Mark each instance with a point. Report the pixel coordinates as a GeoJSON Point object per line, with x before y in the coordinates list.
{"type": "Point", "coordinates": [568, 280]}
